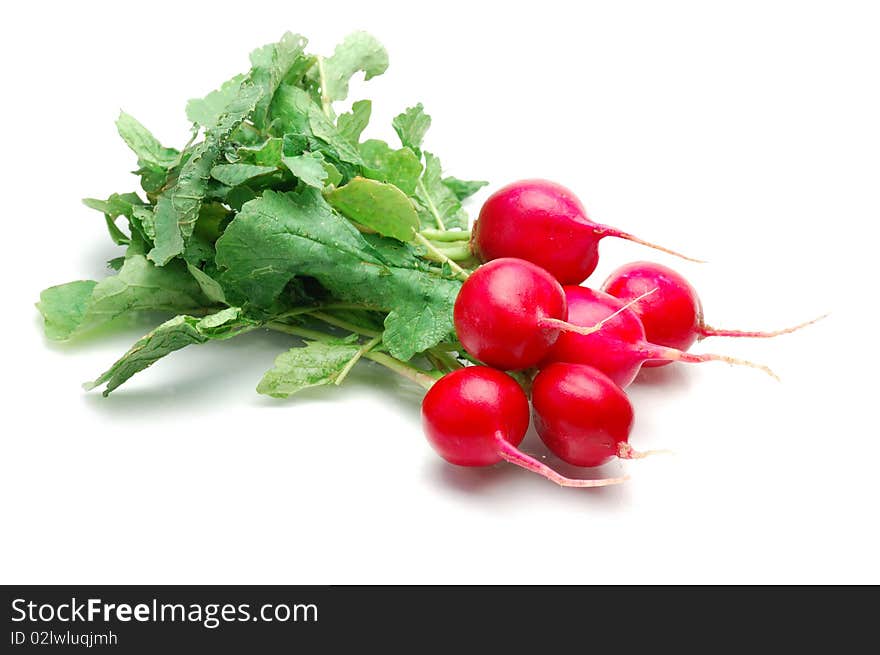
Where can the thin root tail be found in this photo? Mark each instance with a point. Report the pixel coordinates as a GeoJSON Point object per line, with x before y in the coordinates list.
{"type": "Point", "coordinates": [512, 454]}
{"type": "Point", "coordinates": [642, 242]}
{"type": "Point", "coordinates": [709, 331]}
{"type": "Point", "coordinates": [625, 451]}
{"type": "Point", "coordinates": [678, 355]}
{"type": "Point", "coordinates": [558, 324]}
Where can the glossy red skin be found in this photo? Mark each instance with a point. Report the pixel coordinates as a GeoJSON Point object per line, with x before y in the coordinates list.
{"type": "Point", "coordinates": [465, 409]}
{"type": "Point", "coordinates": [542, 222]}
{"type": "Point", "coordinates": [614, 349]}
{"type": "Point", "coordinates": [672, 315]}
{"type": "Point", "coordinates": [580, 414]}
{"type": "Point", "coordinates": [498, 309]}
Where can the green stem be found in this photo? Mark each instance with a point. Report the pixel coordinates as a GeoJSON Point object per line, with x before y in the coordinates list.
{"type": "Point", "coordinates": [431, 206]}
{"type": "Point", "coordinates": [328, 307]}
{"type": "Point", "coordinates": [463, 274]}
{"type": "Point", "coordinates": [301, 332]}
{"type": "Point", "coordinates": [456, 252]}
{"type": "Point", "coordinates": [325, 99]}
{"type": "Point", "coordinates": [345, 325]}
{"type": "Point", "coordinates": [448, 361]}
{"type": "Point", "coordinates": [436, 363]}
{"type": "Point", "coordinates": [402, 368]}
{"type": "Point", "coordinates": [372, 343]}
{"type": "Point", "coordinates": [418, 376]}
{"type": "Point", "coordinates": [446, 235]}
{"type": "Point", "coordinates": [524, 378]}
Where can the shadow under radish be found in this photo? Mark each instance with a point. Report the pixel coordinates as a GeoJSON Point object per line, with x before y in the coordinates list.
{"type": "Point", "coordinates": [672, 376]}
{"type": "Point", "coordinates": [506, 484]}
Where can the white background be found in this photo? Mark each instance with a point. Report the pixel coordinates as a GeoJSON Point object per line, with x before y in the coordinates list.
{"type": "Point", "coordinates": [746, 133]}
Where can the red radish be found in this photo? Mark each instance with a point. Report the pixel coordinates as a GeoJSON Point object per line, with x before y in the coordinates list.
{"type": "Point", "coordinates": [581, 415]}
{"type": "Point", "coordinates": [544, 223]}
{"type": "Point", "coordinates": [477, 416]}
{"type": "Point", "coordinates": [620, 347]}
{"type": "Point", "coordinates": [673, 315]}
{"type": "Point", "coordinates": [509, 312]}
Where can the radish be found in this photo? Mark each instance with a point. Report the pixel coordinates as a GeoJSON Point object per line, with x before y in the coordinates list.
{"type": "Point", "coordinates": [581, 415]}
{"type": "Point", "coordinates": [673, 315]}
{"type": "Point", "coordinates": [620, 348]}
{"type": "Point", "coordinates": [509, 313]}
{"type": "Point", "coordinates": [544, 223]}
{"type": "Point", "coordinates": [477, 416]}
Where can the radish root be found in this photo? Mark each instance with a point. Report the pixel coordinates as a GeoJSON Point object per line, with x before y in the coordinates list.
{"type": "Point", "coordinates": [708, 331]}
{"type": "Point", "coordinates": [672, 354]}
{"type": "Point", "coordinates": [514, 455]}
{"type": "Point", "coordinates": [610, 231]}
{"type": "Point", "coordinates": [625, 451]}
{"type": "Point", "coordinates": [577, 329]}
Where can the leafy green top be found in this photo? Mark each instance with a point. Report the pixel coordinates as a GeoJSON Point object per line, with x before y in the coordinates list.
{"type": "Point", "coordinates": [279, 214]}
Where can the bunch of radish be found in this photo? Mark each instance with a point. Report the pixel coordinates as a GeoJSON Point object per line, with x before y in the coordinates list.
{"type": "Point", "coordinates": [573, 348]}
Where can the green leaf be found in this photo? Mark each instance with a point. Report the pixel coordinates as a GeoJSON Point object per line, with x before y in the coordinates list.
{"type": "Point", "coordinates": [271, 65]}
{"type": "Point", "coordinates": [142, 216]}
{"type": "Point", "coordinates": [463, 189]}
{"type": "Point", "coordinates": [179, 332]}
{"type": "Point", "coordinates": [267, 153]}
{"type": "Point", "coordinates": [118, 204]}
{"type": "Point", "coordinates": [309, 168]}
{"type": "Point", "coordinates": [291, 109]}
{"type": "Point", "coordinates": [178, 208]}
{"type": "Point", "coordinates": [282, 235]}
{"type": "Point", "coordinates": [236, 197]}
{"type": "Point", "coordinates": [358, 52]}
{"type": "Point", "coordinates": [295, 112]}
{"type": "Point", "coordinates": [235, 174]}
{"type": "Point", "coordinates": [334, 177]}
{"type": "Point", "coordinates": [73, 308]}
{"type": "Point", "coordinates": [207, 111]}
{"type": "Point", "coordinates": [411, 127]}
{"type": "Point", "coordinates": [119, 237]}
{"type": "Point", "coordinates": [153, 179]}
{"type": "Point", "coordinates": [209, 286]}
{"type": "Point", "coordinates": [275, 235]}
{"type": "Point", "coordinates": [352, 124]}
{"type": "Point", "coordinates": [439, 207]}
{"type": "Point", "coordinates": [377, 205]}
{"type": "Point", "coordinates": [212, 218]}
{"type": "Point", "coordinates": [326, 131]}
{"type": "Point", "coordinates": [147, 148]}
{"type": "Point", "coordinates": [312, 365]}
{"type": "Point", "coordinates": [166, 223]}
{"type": "Point", "coordinates": [64, 306]}
{"type": "Point", "coordinates": [401, 168]}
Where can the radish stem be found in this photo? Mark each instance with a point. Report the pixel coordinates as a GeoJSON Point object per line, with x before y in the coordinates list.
{"type": "Point", "coordinates": [431, 206]}
{"type": "Point", "coordinates": [446, 235]}
{"type": "Point", "coordinates": [402, 368]}
{"type": "Point", "coordinates": [325, 99]}
{"type": "Point", "coordinates": [446, 359]}
{"type": "Point", "coordinates": [363, 350]}
{"type": "Point", "coordinates": [345, 325]}
{"type": "Point", "coordinates": [463, 274]}
{"type": "Point", "coordinates": [420, 377]}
